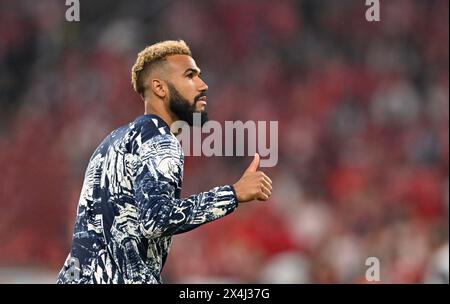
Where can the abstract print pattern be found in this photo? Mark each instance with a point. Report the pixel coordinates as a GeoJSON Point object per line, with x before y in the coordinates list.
{"type": "Point", "coordinates": [130, 207]}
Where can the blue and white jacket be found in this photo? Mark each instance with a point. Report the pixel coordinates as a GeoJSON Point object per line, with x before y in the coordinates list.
{"type": "Point", "coordinates": [130, 206]}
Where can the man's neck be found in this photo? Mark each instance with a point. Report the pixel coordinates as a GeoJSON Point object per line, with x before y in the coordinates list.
{"type": "Point", "coordinates": [157, 108]}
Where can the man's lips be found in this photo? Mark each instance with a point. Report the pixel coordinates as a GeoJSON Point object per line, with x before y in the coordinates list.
{"type": "Point", "coordinates": [202, 101]}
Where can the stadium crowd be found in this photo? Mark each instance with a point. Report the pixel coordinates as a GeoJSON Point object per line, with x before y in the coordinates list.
{"type": "Point", "coordinates": [363, 112]}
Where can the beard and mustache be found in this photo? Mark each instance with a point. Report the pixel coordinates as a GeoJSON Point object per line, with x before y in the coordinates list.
{"type": "Point", "coordinates": [181, 107]}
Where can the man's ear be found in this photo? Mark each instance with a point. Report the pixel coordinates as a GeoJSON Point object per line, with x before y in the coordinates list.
{"type": "Point", "coordinates": [158, 87]}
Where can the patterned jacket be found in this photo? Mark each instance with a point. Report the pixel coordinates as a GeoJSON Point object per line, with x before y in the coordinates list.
{"type": "Point", "coordinates": [130, 206]}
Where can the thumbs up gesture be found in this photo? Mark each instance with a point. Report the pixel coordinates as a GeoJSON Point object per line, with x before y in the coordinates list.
{"type": "Point", "coordinates": [253, 185]}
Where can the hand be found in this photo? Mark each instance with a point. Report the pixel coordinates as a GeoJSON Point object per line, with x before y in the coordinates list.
{"type": "Point", "coordinates": [253, 185]}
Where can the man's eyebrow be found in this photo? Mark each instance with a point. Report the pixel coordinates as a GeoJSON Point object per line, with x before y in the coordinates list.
{"type": "Point", "coordinates": [194, 70]}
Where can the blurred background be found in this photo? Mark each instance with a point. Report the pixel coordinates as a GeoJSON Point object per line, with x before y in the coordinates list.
{"type": "Point", "coordinates": [363, 112]}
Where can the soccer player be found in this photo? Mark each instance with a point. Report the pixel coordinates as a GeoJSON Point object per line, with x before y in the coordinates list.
{"type": "Point", "coordinates": [130, 203]}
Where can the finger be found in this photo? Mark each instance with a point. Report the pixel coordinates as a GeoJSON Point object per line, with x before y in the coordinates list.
{"type": "Point", "coordinates": [267, 184]}
{"type": "Point", "coordinates": [266, 177]}
{"type": "Point", "coordinates": [254, 165]}
{"type": "Point", "coordinates": [262, 197]}
{"type": "Point", "coordinates": [266, 190]}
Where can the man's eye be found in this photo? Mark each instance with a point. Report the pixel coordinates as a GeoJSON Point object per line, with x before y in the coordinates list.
{"type": "Point", "coordinates": [190, 75]}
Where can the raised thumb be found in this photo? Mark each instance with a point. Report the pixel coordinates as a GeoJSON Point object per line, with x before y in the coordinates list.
{"type": "Point", "coordinates": [254, 165]}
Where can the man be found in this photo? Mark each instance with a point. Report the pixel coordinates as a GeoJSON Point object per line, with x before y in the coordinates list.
{"type": "Point", "coordinates": [130, 204]}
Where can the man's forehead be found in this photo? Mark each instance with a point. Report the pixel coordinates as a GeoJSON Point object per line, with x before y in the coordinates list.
{"type": "Point", "coordinates": [182, 63]}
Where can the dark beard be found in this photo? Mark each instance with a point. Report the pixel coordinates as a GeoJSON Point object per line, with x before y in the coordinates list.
{"type": "Point", "coordinates": [183, 110]}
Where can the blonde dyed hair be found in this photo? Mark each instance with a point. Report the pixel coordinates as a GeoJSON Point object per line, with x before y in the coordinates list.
{"type": "Point", "coordinates": [155, 53]}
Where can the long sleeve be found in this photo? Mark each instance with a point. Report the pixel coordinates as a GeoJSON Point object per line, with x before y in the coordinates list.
{"type": "Point", "coordinates": [157, 188]}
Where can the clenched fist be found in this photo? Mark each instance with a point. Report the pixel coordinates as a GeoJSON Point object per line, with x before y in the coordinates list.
{"type": "Point", "coordinates": [253, 185]}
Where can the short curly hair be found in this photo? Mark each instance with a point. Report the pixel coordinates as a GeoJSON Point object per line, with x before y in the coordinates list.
{"type": "Point", "coordinates": [152, 54]}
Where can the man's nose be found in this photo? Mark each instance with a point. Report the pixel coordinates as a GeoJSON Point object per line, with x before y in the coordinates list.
{"type": "Point", "coordinates": [203, 87]}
